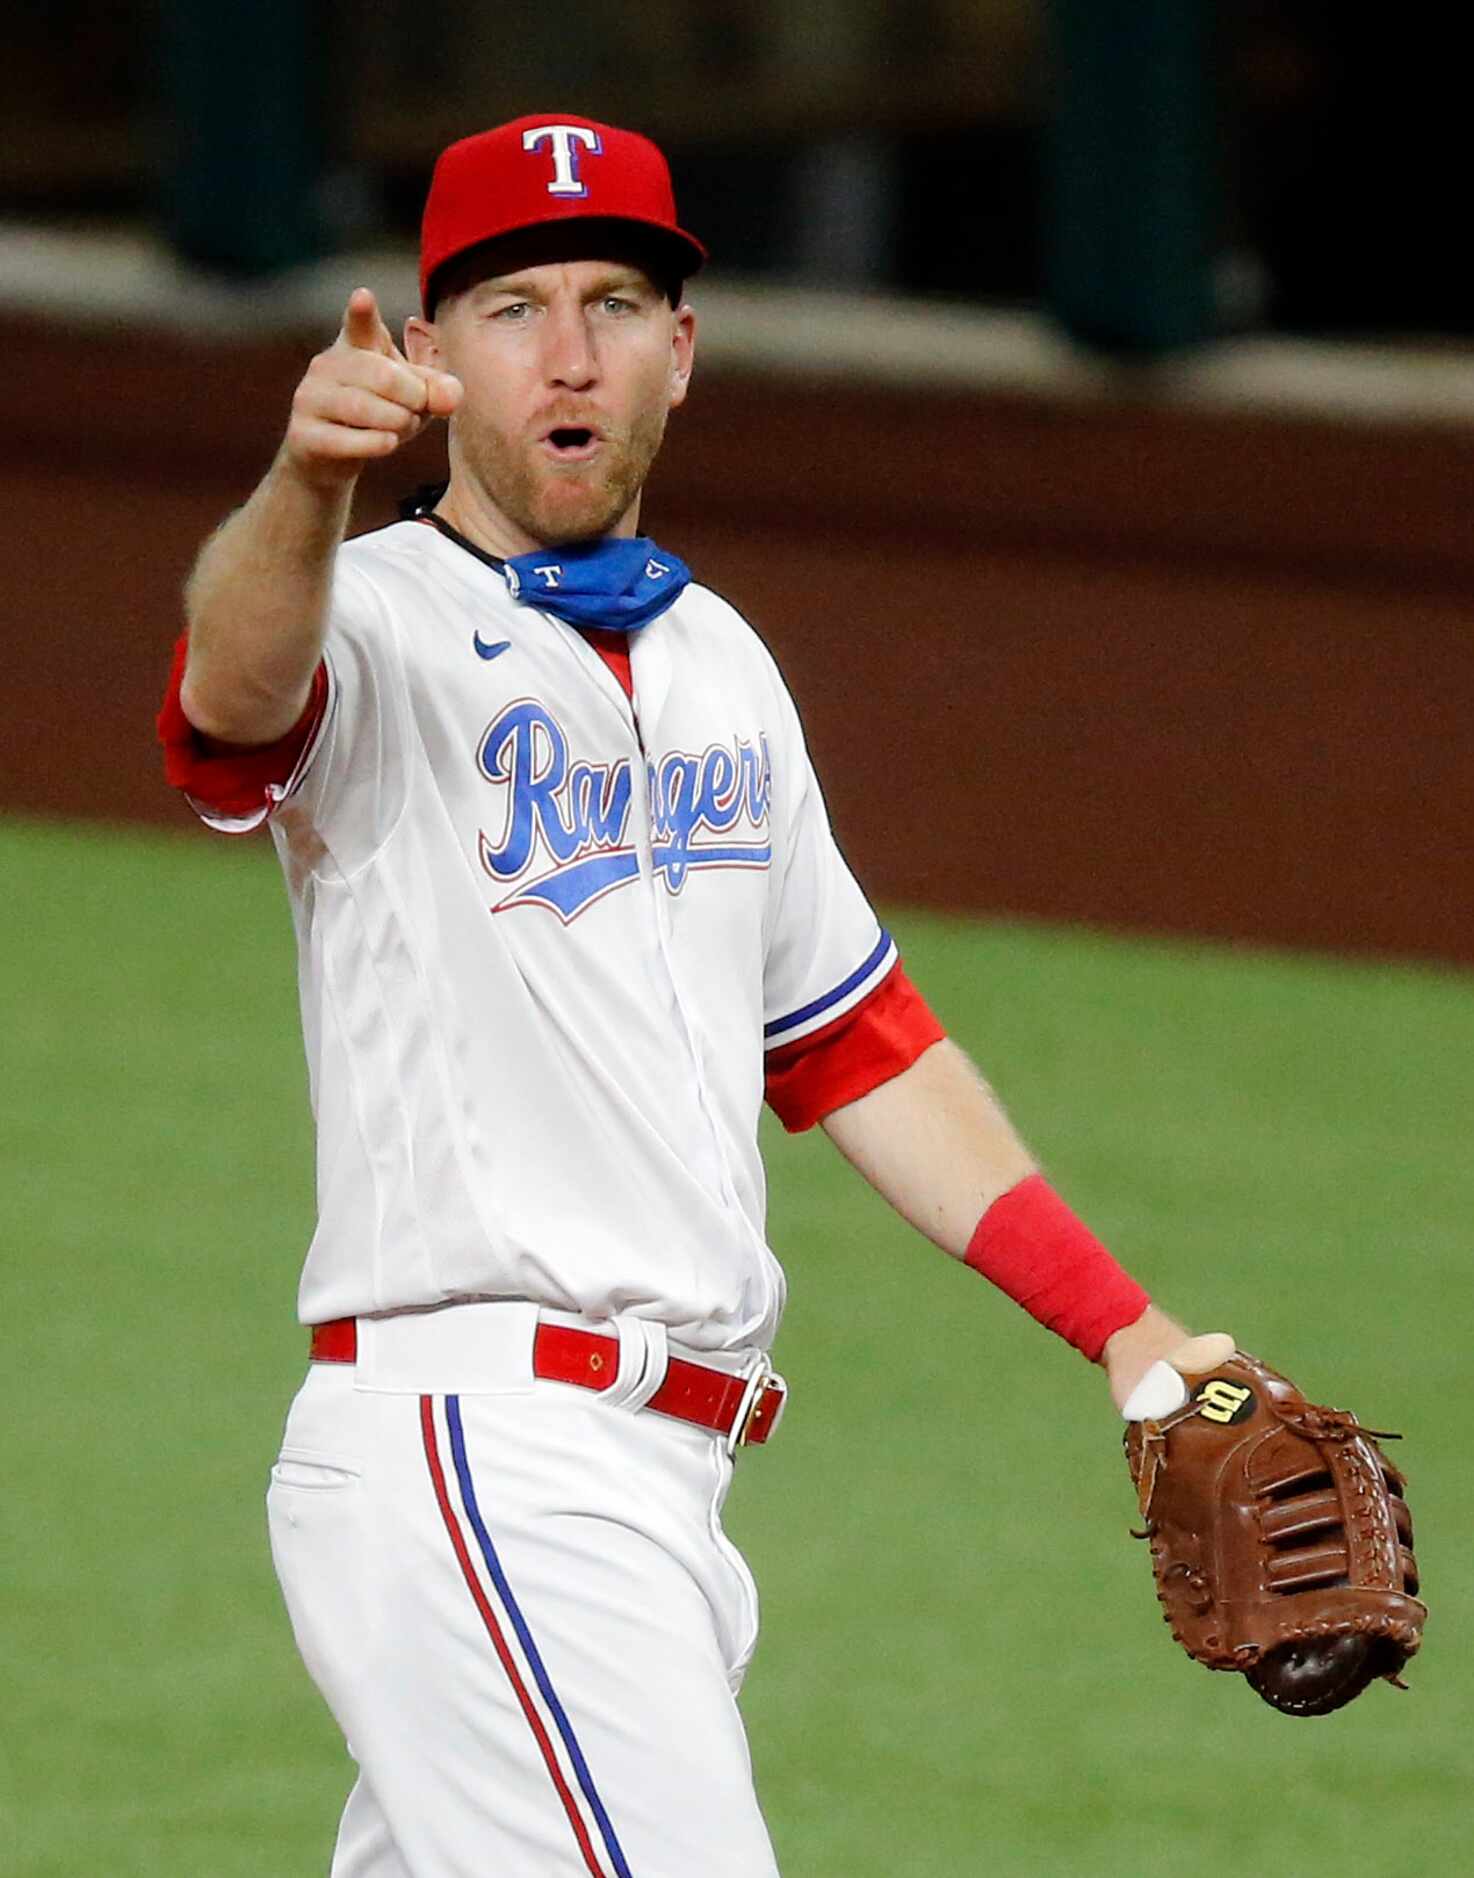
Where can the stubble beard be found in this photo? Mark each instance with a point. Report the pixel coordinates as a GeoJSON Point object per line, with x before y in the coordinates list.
{"type": "Point", "coordinates": [554, 504]}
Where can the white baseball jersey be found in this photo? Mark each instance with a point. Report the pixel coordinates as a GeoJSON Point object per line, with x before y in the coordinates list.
{"type": "Point", "coordinates": [544, 939]}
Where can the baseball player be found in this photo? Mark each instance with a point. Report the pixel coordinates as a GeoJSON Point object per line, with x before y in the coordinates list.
{"type": "Point", "coordinates": [568, 910]}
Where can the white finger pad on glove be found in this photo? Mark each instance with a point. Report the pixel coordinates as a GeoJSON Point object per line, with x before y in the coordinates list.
{"type": "Point", "coordinates": [1160, 1391]}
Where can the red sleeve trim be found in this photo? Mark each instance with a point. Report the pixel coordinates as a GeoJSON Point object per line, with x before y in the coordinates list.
{"type": "Point", "coordinates": [845, 1060]}
{"type": "Point", "coordinates": [231, 779]}
{"type": "Point", "coordinates": [1048, 1260]}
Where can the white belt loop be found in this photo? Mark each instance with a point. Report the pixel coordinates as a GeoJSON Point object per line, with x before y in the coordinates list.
{"type": "Point", "coordinates": [478, 1347]}
{"type": "Point", "coordinates": [642, 1363]}
{"type": "Point", "coordinates": [657, 1357]}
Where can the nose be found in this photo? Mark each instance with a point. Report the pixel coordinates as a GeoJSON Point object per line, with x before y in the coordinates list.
{"type": "Point", "coordinates": [569, 358]}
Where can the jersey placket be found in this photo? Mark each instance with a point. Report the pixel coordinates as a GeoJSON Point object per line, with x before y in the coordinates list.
{"type": "Point", "coordinates": [664, 921]}
{"type": "Point", "coordinates": [659, 904]}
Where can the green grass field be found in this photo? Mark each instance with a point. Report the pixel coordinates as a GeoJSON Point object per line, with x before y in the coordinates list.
{"type": "Point", "coordinates": [962, 1671]}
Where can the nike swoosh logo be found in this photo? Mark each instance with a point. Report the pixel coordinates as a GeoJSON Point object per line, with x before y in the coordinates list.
{"type": "Point", "coordinates": [486, 651]}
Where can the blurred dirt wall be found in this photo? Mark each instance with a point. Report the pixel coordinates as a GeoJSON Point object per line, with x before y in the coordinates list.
{"type": "Point", "coordinates": [1119, 663]}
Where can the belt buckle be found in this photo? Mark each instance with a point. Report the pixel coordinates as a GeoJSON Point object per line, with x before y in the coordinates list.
{"type": "Point", "coordinates": [761, 1377]}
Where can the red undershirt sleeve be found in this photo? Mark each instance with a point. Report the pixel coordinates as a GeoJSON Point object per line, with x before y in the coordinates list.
{"type": "Point", "coordinates": [807, 1080]}
{"type": "Point", "coordinates": [231, 780]}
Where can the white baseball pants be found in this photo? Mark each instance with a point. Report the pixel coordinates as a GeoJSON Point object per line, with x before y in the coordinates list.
{"type": "Point", "coordinates": [518, 1601]}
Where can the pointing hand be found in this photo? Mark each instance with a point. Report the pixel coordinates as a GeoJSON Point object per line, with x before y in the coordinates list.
{"type": "Point", "coordinates": [361, 399]}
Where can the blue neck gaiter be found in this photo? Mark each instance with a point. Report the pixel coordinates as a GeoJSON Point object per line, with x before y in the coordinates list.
{"type": "Point", "coordinates": [616, 584]}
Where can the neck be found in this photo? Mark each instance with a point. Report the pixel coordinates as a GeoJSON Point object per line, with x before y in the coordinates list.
{"type": "Point", "coordinates": [474, 514]}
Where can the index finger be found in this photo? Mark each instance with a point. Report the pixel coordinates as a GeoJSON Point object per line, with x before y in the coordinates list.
{"type": "Point", "coordinates": [363, 325]}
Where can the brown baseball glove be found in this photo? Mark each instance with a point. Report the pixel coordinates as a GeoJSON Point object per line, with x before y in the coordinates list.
{"type": "Point", "coordinates": [1280, 1538]}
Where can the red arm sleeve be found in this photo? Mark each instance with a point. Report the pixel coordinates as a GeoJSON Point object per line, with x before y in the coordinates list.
{"type": "Point", "coordinates": [869, 1045]}
{"type": "Point", "coordinates": [1033, 1247]}
{"type": "Point", "coordinates": [231, 779]}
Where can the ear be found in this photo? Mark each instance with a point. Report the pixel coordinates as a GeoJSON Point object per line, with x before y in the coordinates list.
{"type": "Point", "coordinates": [422, 342]}
{"type": "Point", "coordinates": [683, 353]}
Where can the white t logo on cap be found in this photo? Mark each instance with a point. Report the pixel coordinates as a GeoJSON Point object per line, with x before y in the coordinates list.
{"type": "Point", "coordinates": [565, 139]}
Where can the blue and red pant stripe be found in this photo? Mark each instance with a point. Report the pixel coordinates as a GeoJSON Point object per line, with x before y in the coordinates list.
{"type": "Point", "coordinates": [544, 1711]}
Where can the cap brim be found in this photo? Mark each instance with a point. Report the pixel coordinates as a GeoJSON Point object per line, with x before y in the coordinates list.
{"type": "Point", "coordinates": [668, 255]}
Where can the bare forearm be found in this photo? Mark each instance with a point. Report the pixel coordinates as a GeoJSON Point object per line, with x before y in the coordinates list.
{"type": "Point", "coordinates": [257, 601]}
{"type": "Point", "coordinates": [257, 604]}
{"type": "Point", "coordinates": [936, 1143]}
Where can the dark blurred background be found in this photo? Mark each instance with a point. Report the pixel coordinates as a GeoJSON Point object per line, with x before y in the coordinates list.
{"type": "Point", "coordinates": [1084, 410]}
{"type": "Point", "coordinates": [1277, 164]}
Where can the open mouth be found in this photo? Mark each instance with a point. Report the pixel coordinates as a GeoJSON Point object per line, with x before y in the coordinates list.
{"type": "Point", "coordinates": [571, 442]}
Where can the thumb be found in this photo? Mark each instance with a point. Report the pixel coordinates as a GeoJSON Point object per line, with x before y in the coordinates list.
{"type": "Point", "coordinates": [1200, 1354]}
{"type": "Point", "coordinates": [1161, 1389]}
{"type": "Point", "coordinates": [363, 325]}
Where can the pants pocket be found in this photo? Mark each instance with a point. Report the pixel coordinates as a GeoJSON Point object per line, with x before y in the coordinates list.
{"type": "Point", "coordinates": [315, 1518]}
{"type": "Point", "coordinates": [311, 1473]}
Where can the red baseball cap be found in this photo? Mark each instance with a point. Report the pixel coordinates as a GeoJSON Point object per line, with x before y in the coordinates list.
{"type": "Point", "coordinates": [549, 169]}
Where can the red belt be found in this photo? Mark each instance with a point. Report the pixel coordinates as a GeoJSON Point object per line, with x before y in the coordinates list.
{"type": "Point", "coordinates": [745, 1409]}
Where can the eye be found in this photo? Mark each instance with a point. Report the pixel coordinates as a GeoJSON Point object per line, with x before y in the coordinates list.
{"type": "Point", "coordinates": [616, 303]}
{"type": "Point", "coordinates": [513, 313]}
